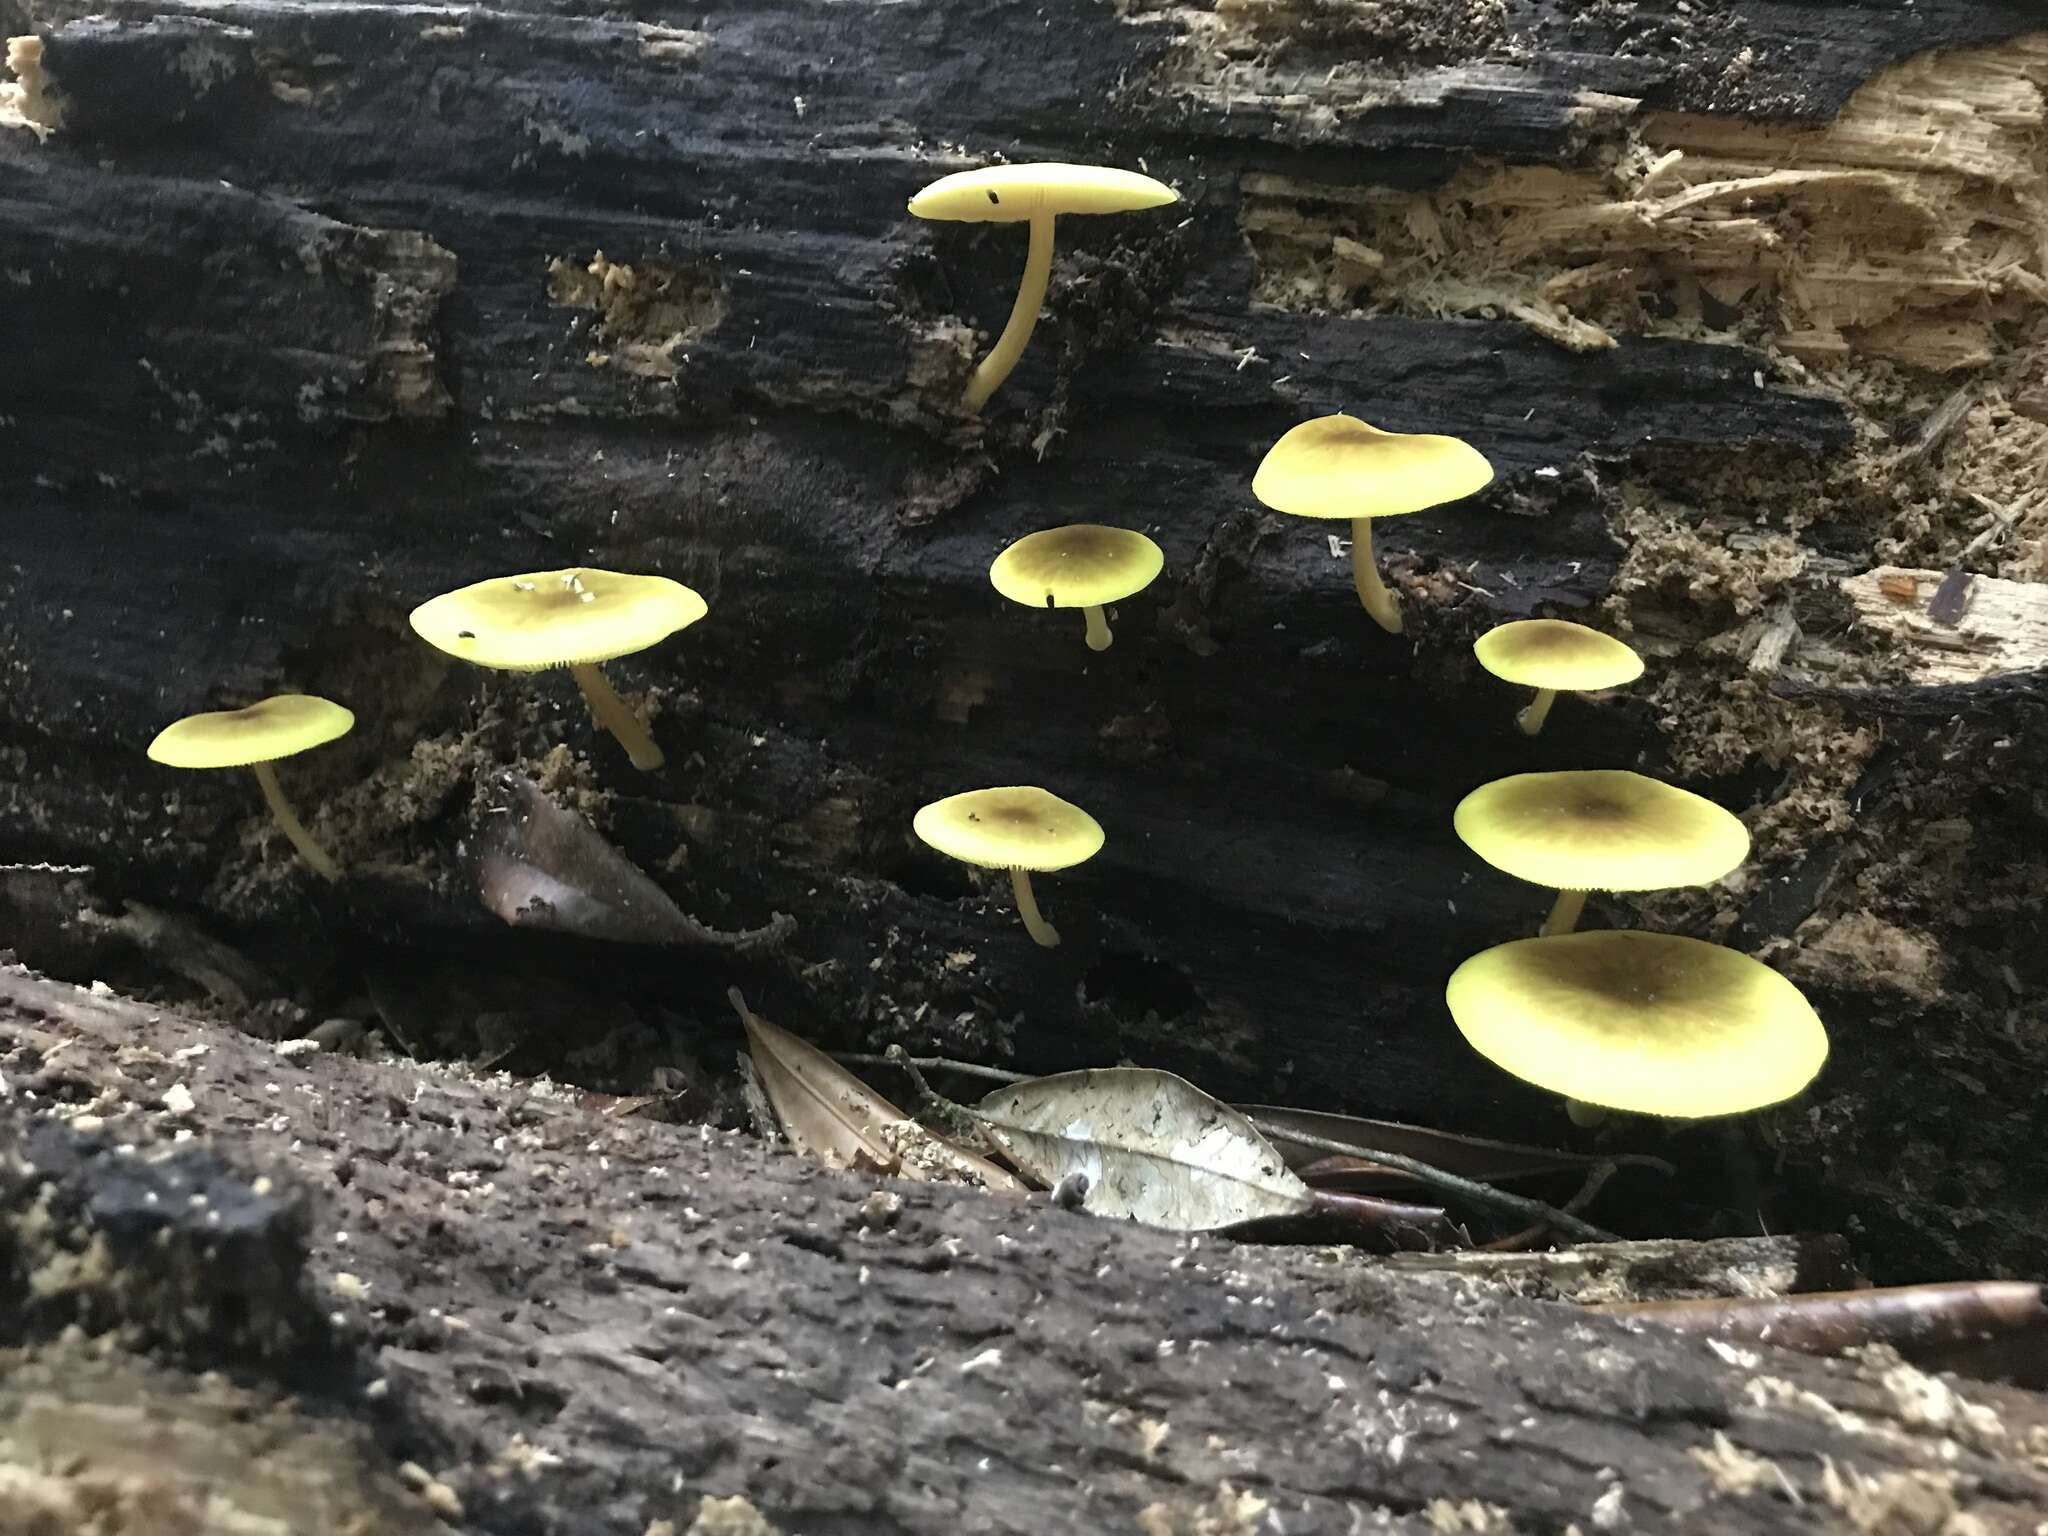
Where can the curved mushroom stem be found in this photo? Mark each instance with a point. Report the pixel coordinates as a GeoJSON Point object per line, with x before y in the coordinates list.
{"type": "Point", "coordinates": [288, 821]}
{"type": "Point", "coordinates": [1027, 908]}
{"type": "Point", "coordinates": [616, 716]}
{"type": "Point", "coordinates": [1365, 575]}
{"type": "Point", "coordinates": [1583, 1114]}
{"type": "Point", "coordinates": [1536, 711]}
{"type": "Point", "coordinates": [1009, 346]}
{"type": "Point", "coordinates": [1564, 914]}
{"type": "Point", "coordinates": [1099, 637]}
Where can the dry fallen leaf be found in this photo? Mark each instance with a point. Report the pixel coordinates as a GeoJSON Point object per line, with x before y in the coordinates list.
{"type": "Point", "coordinates": [1153, 1147]}
{"type": "Point", "coordinates": [828, 1113]}
{"type": "Point", "coordinates": [541, 866]}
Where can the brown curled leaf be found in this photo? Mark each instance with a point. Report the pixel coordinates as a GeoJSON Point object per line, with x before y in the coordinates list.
{"type": "Point", "coordinates": [831, 1115]}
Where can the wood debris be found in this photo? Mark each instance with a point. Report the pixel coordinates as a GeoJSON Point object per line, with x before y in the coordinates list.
{"type": "Point", "coordinates": [2000, 628]}
{"type": "Point", "coordinates": [1906, 234]}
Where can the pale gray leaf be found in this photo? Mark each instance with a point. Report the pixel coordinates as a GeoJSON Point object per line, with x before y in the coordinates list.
{"type": "Point", "coordinates": [1153, 1147]}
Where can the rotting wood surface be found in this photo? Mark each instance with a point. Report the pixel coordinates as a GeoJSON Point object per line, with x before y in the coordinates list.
{"type": "Point", "coordinates": [575, 1323]}
{"type": "Point", "coordinates": [316, 310]}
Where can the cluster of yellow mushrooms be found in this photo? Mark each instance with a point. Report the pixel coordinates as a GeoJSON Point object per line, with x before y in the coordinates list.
{"type": "Point", "coordinates": [1651, 1023]}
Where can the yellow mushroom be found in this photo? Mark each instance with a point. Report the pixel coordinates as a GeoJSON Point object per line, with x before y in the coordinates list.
{"type": "Point", "coordinates": [1602, 829]}
{"type": "Point", "coordinates": [1037, 194]}
{"type": "Point", "coordinates": [1083, 565]}
{"type": "Point", "coordinates": [1339, 467]}
{"type": "Point", "coordinates": [575, 618]}
{"type": "Point", "coordinates": [1019, 828]}
{"type": "Point", "coordinates": [254, 738]}
{"type": "Point", "coordinates": [1554, 656]}
{"type": "Point", "coordinates": [1645, 1022]}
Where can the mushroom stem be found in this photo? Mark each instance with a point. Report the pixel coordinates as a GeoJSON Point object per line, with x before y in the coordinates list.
{"type": "Point", "coordinates": [616, 716]}
{"type": "Point", "coordinates": [1027, 908]}
{"type": "Point", "coordinates": [1009, 346]}
{"type": "Point", "coordinates": [1536, 711]}
{"type": "Point", "coordinates": [1564, 914]}
{"type": "Point", "coordinates": [1099, 637]}
{"type": "Point", "coordinates": [1365, 575]}
{"type": "Point", "coordinates": [289, 823]}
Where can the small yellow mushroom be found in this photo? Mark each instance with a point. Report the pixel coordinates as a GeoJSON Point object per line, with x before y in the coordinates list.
{"type": "Point", "coordinates": [1083, 565]}
{"type": "Point", "coordinates": [1650, 1023]}
{"type": "Point", "coordinates": [1554, 656]}
{"type": "Point", "coordinates": [575, 618]}
{"type": "Point", "coordinates": [1037, 194]}
{"type": "Point", "coordinates": [254, 738]}
{"type": "Point", "coordinates": [1602, 829]}
{"type": "Point", "coordinates": [1019, 828]}
{"type": "Point", "coordinates": [1339, 467]}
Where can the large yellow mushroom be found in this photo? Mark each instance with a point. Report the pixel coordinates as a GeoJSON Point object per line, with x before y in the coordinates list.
{"type": "Point", "coordinates": [1035, 194]}
{"type": "Point", "coordinates": [1083, 565]}
{"type": "Point", "coordinates": [1019, 828]}
{"type": "Point", "coordinates": [1554, 656]}
{"type": "Point", "coordinates": [575, 618]}
{"type": "Point", "coordinates": [1339, 467]}
{"type": "Point", "coordinates": [1645, 1022]}
{"type": "Point", "coordinates": [1603, 829]}
{"type": "Point", "coordinates": [254, 738]}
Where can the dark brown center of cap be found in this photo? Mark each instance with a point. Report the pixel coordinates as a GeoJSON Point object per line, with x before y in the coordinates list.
{"type": "Point", "coordinates": [1595, 807]}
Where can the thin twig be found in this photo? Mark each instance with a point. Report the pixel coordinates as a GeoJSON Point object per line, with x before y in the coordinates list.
{"type": "Point", "coordinates": [1451, 1183]}
{"type": "Point", "coordinates": [1391, 1219]}
{"type": "Point", "coordinates": [1940, 422]}
{"type": "Point", "coordinates": [957, 1118]}
{"type": "Point", "coordinates": [894, 1057]}
{"type": "Point", "coordinates": [2002, 519]}
{"type": "Point", "coordinates": [1529, 1237]}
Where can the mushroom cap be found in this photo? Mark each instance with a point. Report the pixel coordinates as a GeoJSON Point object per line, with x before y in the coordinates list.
{"type": "Point", "coordinates": [1600, 829]}
{"type": "Point", "coordinates": [1007, 194]}
{"type": "Point", "coordinates": [1338, 466]}
{"type": "Point", "coordinates": [1555, 653]}
{"type": "Point", "coordinates": [280, 726]}
{"type": "Point", "coordinates": [1646, 1022]}
{"type": "Point", "coordinates": [1017, 827]}
{"type": "Point", "coordinates": [1082, 565]}
{"type": "Point", "coordinates": [556, 618]}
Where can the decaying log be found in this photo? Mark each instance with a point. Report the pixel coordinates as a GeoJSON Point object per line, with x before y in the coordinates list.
{"type": "Point", "coordinates": [314, 310]}
{"type": "Point", "coordinates": [578, 1323]}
